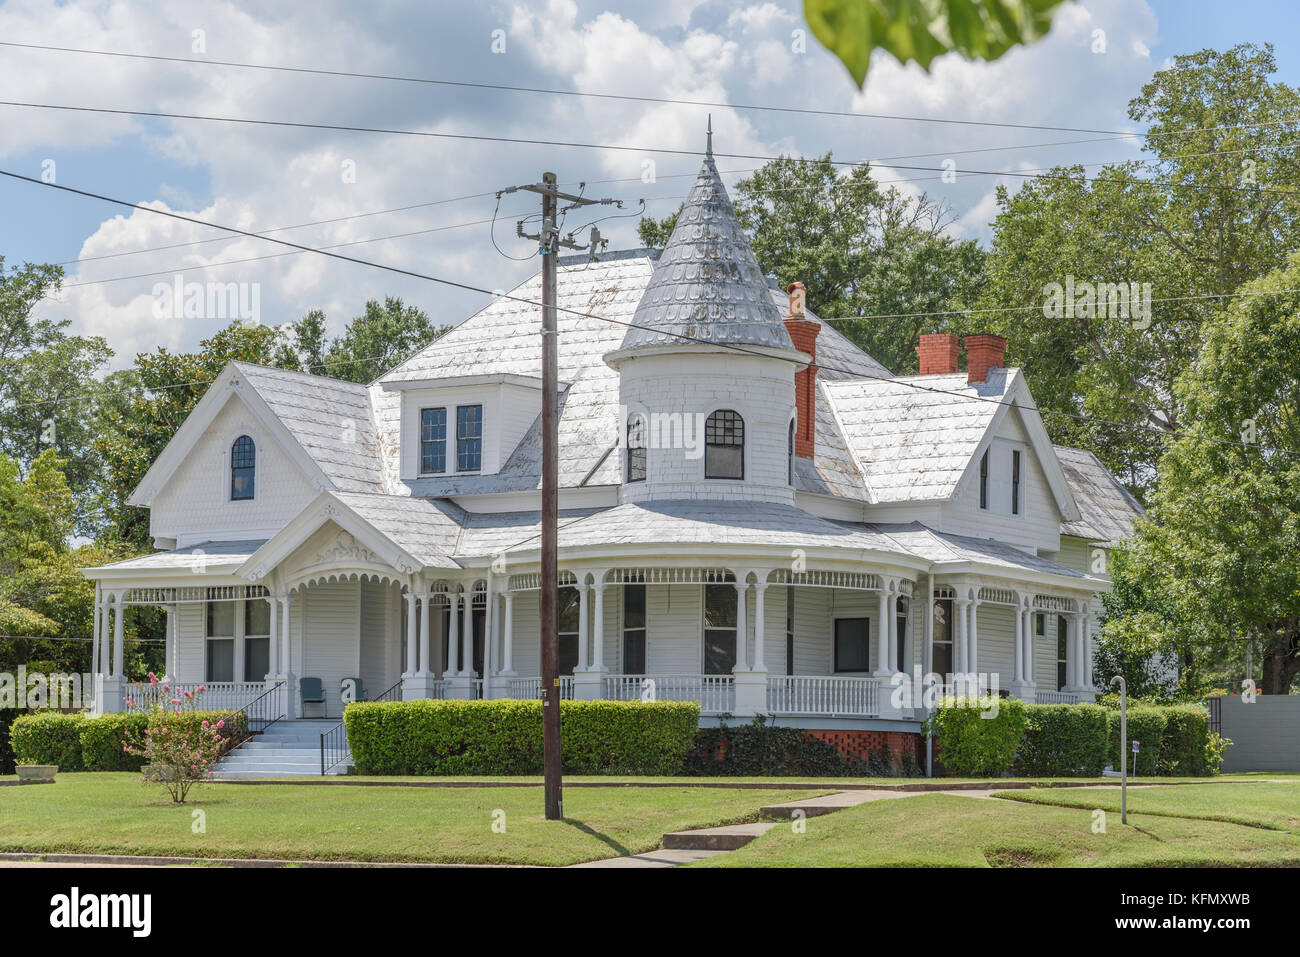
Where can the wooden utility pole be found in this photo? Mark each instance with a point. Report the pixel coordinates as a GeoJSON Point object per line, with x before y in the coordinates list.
{"type": "Point", "coordinates": [550, 244]}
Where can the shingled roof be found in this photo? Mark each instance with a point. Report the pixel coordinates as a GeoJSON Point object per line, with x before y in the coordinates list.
{"type": "Point", "coordinates": [1108, 511]}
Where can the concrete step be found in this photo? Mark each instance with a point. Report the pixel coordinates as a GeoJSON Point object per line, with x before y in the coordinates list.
{"type": "Point", "coordinates": [830, 803]}
{"type": "Point", "coordinates": [727, 838]}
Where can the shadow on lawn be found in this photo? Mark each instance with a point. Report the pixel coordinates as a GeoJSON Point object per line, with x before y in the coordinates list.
{"type": "Point", "coordinates": [608, 841]}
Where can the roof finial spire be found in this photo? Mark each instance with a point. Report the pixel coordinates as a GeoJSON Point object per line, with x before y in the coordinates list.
{"type": "Point", "coordinates": [708, 141]}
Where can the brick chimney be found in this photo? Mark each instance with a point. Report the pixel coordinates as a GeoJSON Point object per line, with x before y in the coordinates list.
{"type": "Point", "coordinates": [938, 353]}
{"type": "Point", "coordinates": [983, 352]}
{"type": "Point", "coordinates": [803, 333]}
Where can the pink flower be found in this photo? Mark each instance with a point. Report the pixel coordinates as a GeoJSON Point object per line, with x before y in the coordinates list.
{"type": "Point", "coordinates": [176, 701]}
{"type": "Point", "coordinates": [200, 689]}
{"type": "Point", "coordinates": [221, 724]}
{"type": "Point", "coordinates": [167, 687]}
{"type": "Point", "coordinates": [189, 695]}
{"type": "Point", "coordinates": [153, 679]}
{"type": "Point", "coordinates": [130, 703]}
{"type": "Point", "coordinates": [205, 725]}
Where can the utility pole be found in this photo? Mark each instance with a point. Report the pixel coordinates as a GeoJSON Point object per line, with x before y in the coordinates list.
{"type": "Point", "coordinates": [549, 243]}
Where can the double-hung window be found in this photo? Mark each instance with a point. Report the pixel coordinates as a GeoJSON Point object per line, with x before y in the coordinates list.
{"type": "Point", "coordinates": [853, 644]}
{"type": "Point", "coordinates": [634, 629]}
{"type": "Point", "coordinates": [469, 438]}
{"type": "Point", "coordinates": [984, 479]}
{"type": "Point", "coordinates": [219, 655]}
{"type": "Point", "coordinates": [1015, 482]}
{"type": "Point", "coordinates": [719, 629]}
{"type": "Point", "coordinates": [433, 440]}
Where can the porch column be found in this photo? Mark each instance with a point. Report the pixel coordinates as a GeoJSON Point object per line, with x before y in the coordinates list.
{"type": "Point", "coordinates": [169, 643]}
{"type": "Point", "coordinates": [1029, 643]}
{"type": "Point", "coordinates": [119, 639]}
{"type": "Point", "coordinates": [972, 640]}
{"type": "Point", "coordinates": [453, 634]}
{"type": "Point", "coordinates": [882, 631]}
{"type": "Point", "coordinates": [489, 636]}
{"type": "Point", "coordinates": [927, 611]}
{"type": "Point", "coordinates": [508, 636]}
{"type": "Point", "coordinates": [286, 643]}
{"type": "Point", "coordinates": [582, 624]}
{"type": "Point", "coordinates": [466, 656]}
{"type": "Point", "coordinates": [959, 638]}
{"type": "Point", "coordinates": [1018, 668]}
{"type": "Point", "coordinates": [742, 625]}
{"type": "Point", "coordinates": [426, 610]}
{"type": "Point", "coordinates": [1087, 653]}
{"type": "Point", "coordinates": [598, 625]}
{"type": "Point", "coordinates": [412, 631]}
{"type": "Point", "coordinates": [760, 659]}
{"type": "Point", "coordinates": [94, 634]}
{"type": "Point", "coordinates": [274, 650]}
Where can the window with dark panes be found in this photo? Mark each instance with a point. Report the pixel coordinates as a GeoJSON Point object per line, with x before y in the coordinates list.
{"type": "Point", "coordinates": [243, 468]}
{"type": "Point", "coordinates": [634, 629]}
{"type": "Point", "coordinates": [942, 637]}
{"type": "Point", "coordinates": [257, 639]}
{"type": "Point", "coordinates": [984, 479]}
{"type": "Point", "coordinates": [636, 448]}
{"type": "Point", "coordinates": [219, 656]}
{"type": "Point", "coordinates": [433, 440]}
{"type": "Point", "coordinates": [1015, 483]}
{"type": "Point", "coordinates": [852, 644]}
{"type": "Point", "coordinates": [1062, 652]}
{"type": "Point", "coordinates": [568, 630]}
{"type": "Point", "coordinates": [789, 629]}
{"type": "Point", "coordinates": [900, 631]}
{"type": "Point", "coordinates": [469, 438]}
{"type": "Point", "coordinates": [724, 445]}
{"type": "Point", "coordinates": [719, 629]}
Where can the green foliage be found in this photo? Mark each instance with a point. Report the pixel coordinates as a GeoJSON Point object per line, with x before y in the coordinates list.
{"type": "Point", "coordinates": [48, 737]}
{"type": "Point", "coordinates": [7, 716]}
{"type": "Point", "coordinates": [79, 742]}
{"type": "Point", "coordinates": [373, 343]}
{"type": "Point", "coordinates": [1185, 746]}
{"type": "Point", "coordinates": [505, 736]}
{"type": "Point", "coordinates": [1063, 740]}
{"type": "Point", "coordinates": [760, 749]}
{"type": "Point", "coordinates": [920, 30]}
{"type": "Point", "coordinates": [1147, 727]}
{"type": "Point", "coordinates": [978, 741]}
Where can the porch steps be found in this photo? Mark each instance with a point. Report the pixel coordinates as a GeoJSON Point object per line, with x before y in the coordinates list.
{"type": "Point", "coordinates": [286, 749]}
{"type": "Point", "coordinates": [726, 838]}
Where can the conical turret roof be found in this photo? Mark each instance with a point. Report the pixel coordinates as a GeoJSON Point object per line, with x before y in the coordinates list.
{"type": "Point", "coordinates": [707, 284]}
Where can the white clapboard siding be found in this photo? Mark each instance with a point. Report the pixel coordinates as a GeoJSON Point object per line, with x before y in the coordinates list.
{"type": "Point", "coordinates": [332, 613]}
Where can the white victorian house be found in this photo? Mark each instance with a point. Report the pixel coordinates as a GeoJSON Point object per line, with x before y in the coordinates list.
{"type": "Point", "coordinates": [754, 513]}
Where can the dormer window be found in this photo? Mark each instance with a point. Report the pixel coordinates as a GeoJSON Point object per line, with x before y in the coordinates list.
{"type": "Point", "coordinates": [243, 468]}
{"type": "Point", "coordinates": [636, 448]}
{"type": "Point", "coordinates": [469, 438]}
{"type": "Point", "coordinates": [433, 440]}
{"type": "Point", "coordinates": [724, 445]}
{"type": "Point", "coordinates": [1015, 482]}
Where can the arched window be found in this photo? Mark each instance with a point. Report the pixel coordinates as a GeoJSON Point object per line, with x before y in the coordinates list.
{"type": "Point", "coordinates": [636, 443]}
{"type": "Point", "coordinates": [790, 454]}
{"type": "Point", "coordinates": [243, 466]}
{"type": "Point", "coordinates": [724, 445]}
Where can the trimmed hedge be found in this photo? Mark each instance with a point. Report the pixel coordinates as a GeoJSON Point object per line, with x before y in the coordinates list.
{"type": "Point", "coordinates": [79, 742]}
{"type": "Point", "coordinates": [977, 741]}
{"type": "Point", "coordinates": [1078, 741]}
{"type": "Point", "coordinates": [1063, 740]}
{"type": "Point", "coordinates": [505, 736]}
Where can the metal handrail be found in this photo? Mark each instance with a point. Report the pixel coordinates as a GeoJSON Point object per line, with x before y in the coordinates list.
{"type": "Point", "coordinates": [332, 753]}
{"type": "Point", "coordinates": [249, 718]}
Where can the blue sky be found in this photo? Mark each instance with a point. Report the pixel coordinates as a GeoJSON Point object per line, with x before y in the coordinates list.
{"type": "Point", "coordinates": [258, 178]}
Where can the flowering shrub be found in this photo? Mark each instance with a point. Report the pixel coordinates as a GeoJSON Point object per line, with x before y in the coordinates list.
{"type": "Point", "coordinates": [178, 753]}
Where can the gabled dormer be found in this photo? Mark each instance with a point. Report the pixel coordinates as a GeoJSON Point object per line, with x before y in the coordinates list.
{"type": "Point", "coordinates": [462, 425]}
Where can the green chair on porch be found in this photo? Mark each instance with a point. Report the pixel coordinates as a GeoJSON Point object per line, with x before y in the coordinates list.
{"type": "Point", "coordinates": [358, 688]}
{"type": "Point", "coordinates": [313, 692]}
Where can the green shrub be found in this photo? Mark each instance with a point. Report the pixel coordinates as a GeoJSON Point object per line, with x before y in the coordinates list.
{"type": "Point", "coordinates": [48, 737]}
{"type": "Point", "coordinates": [102, 740]}
{"type": "Point", "coordinates": [78, 742]}
{"type": "Point", "coordinates": [505, 736]}
{"type": "Point", "coordinates": [1063, 740]}
{"type": "Point", "coordinates": [7, 716]}
{"type": "Point", "coordinates": [1146, 726]}
{"type": "Point", "coordinates": [978, 741]}
{"type": "Point", "coordinates": [1185, 745]}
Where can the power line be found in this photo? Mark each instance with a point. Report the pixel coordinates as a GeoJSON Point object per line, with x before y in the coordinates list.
{"type": "Point", "coordinates": [712, 104]}
{"type": "Point", "coordinates": [730, 347]}
{"type": "Point", "coordinates": [526, 141]}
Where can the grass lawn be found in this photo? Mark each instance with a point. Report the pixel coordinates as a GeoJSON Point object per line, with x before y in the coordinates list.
{"type": "Point", "coordinates": [1257, 803]}
{"type": "Point", "coordinates": [116, 814]}
{"type": "Point", "coordinates": [947, 830]}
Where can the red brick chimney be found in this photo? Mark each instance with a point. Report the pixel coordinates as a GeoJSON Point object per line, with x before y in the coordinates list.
{"type": "Point", "coordinates": [983, 352]}
{"type": "Point", "coordinates": [803, 333]}
{"type": "Point", "coordinates": [938, 353]}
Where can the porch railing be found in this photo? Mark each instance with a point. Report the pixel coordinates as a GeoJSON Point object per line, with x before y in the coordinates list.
{"type": "Point", "coordinates": [528, 689]}
{"type": "Point", "coordinates": [715, 693]}
{"type": "Point", "coordinates": [217, 695]}
{"type": "Point", "coordinates": [334, 746]}
{"type": "Point", "coordinates": [1055, 697]}
{"type": "Point", "coordinates": [821, 695]}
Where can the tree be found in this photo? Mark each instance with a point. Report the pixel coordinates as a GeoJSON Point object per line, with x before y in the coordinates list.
{"type": "Point", "coordinates": [1211, 209]}
{"type": "Point", "coordinates": [372, 344]}
{"type": "Point", "coordinates": [1216, 567]}
{"type": "Point", "coordinates": [921, 30]}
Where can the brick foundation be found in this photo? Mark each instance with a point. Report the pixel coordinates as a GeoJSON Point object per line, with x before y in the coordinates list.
{"type": "Point", "coordinates": [861, 744]}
